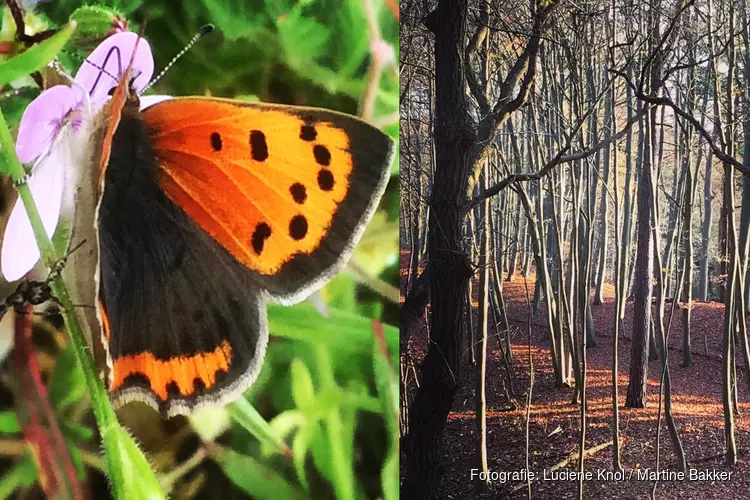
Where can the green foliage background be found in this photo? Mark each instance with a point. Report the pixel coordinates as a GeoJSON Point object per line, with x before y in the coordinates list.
{"type": "Point", "coordinates": [327, 396]}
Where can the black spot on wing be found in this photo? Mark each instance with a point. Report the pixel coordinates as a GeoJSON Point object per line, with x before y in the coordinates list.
{"type": "Point", "coordinates": [322, 155]}
{"type": "Point", "coordinates": [298, 227]}
{"type": "Point", "coordinates": [258, 146]}
{"type": "Point", "coordinates": [299, 192]}
{"type": "Point", "coordinates": [308, 133]}
{"type": "Point", "coordinates": [325, 180]}
{"type": "Point", "coordinates": [260, 235]}
{"type": "Point", "coordinates": [216, 141]}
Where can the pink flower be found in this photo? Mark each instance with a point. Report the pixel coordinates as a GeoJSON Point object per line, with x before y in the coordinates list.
{"type": "Point", "coordinates": [45, 135]}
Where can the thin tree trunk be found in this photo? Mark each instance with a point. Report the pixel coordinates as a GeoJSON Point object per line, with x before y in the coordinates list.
{"type": "Point", "coordinates": [638, 383]}
{"type": "Point", "coordinates": [601, 272]}
{"type": "Point", "coordinates": [687, 289]}
{"type": "Point", "coordinates": [703, 279]}
{"type": "Point", "coordinates": [481, 397]}
{"type": "Point", "coordinates": [616, 275]}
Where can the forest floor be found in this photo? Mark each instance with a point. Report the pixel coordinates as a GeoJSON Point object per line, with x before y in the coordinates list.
{"type": "Point", "coordinates": [554, 429]}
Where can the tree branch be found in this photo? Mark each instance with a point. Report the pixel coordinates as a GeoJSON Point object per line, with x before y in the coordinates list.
{"type": "Point", "coordinates": [559, 158]}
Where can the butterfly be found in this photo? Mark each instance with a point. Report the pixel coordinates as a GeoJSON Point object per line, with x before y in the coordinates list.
{"type": "Point", "coordinates": [205, 210]}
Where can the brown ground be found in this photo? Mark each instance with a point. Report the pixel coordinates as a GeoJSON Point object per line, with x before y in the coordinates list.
{"type": "Point", "coordinates": [554, 426]}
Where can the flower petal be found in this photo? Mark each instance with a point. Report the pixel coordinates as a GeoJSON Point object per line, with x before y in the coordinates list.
{"type": "Point", "coordinates": [113, 56]}
{"type": "Point", "coordinates": [19, 250]}
{"type": "Point", "coordinates": [43, 119]}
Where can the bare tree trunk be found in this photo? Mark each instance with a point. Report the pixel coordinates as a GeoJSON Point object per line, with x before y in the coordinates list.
{"type": "Point", "coordinates": [601, 272]}
{"type": "Point", "coordinates": [617, 272]}
{"type": "Point", "coordinates": [703, 278]}
{"type": "Point", "coordinates": [661, 338]}
{"type": "Point", "coordinates": [498, 282]}
{"type": "Point", "coordinates": [637, 385]}
{"type": "Point", "coordinates": [481, 397]}
{"type": "Point", "coordinates": [728, 339]}
{"type": "Point", "coordinates": [470, 340]}
{"type": "Point", "coordinates": [687, 289]}
{"type": "Point", "coordinates": [470, 337]}
{"type": "Point", "coordinates": [687, 214]}
{"type": "Point", "coordinates": [537, 245]}
{"type": "Point", "coordinates": [585, 280]}
{"type": "Point", "coordinates": [745, 211]}
{"type": "Point", "coordinates": [628, 205]}
{"type": "Point", "coordinates": [564, 312]}
{"type": "Point", "coordinates": [726, 139]}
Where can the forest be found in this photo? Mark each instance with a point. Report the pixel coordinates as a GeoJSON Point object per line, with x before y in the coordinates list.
{"type": "Point", "coordinates": [575, 208]}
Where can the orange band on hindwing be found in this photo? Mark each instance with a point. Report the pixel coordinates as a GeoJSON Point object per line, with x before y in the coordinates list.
{"type": "Point", "coordinates": [182, 371]}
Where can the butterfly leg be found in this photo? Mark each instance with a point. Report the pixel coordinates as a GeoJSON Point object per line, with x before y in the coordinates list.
{"type": "Point", "coordinates": [34, 293]}
{"type": "Point", "coordinates": [23, 180]}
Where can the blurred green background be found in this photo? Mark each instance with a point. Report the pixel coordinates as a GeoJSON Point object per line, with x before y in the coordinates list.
{"type": "Point", "coordinates": [328, 389]}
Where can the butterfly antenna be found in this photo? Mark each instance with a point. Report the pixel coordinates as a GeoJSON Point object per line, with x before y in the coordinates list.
{"type": "Point", "coordinates": [56, 270]}
{"type": "Point", "coordinates": [201, 33]}
{"type": "Point", "coordinates": [102, 70]}
{"type": "Point", "coordinates": [55, 64]}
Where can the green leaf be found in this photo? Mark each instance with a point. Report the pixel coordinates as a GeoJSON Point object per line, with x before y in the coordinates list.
{"type": "Point", "coordinates": [137, 476]}
{"type": "Point", "coordinates": [388, 389]}
{"type": "Point", "coordinates": [302, 38]}
{"type": "Point", "coordinates": [67, 384]}
{"type": "Point", "coordinates": [75, 432]}
{"type": "Point", "coordinates": [300, 446]}
{"type": "Point", "coordinates": [390, 477]}
{"type": "Point", "coordinates": [9, 422]}
{"type": "Point", "coordinates": [303, 391]}
{"type": "Point", "coordinates": [340, 437]}
{"type": "Point", "coordinates": [379, 245]}
{"type": "Point", "coordinates": [343, 333]}
{"type": "Point", "coordinates": [282, 426]}
{"type": "Point", "coordinates": [341, 293]}
{"type": "Point", "coordinates": [350, 23]}
{"type": "Point", "coordinates": [36, 57]}
{"type": "Point", "coordinates": [248, 417]}
{"type": "Point", "coordinates": [77, 459]}
{"type": "Point", "coordinates": [385, 379]}
{"type": "Point", "coordinates": [233, 18]}
{"type": "Point", "coordinates": [22, 474]}
{"type": "Point", "coordinates": [253, 478]}
{"type": "Point", "coordinates": [321, 453]}
{"type": "Point", "coordinates": [61, 238]}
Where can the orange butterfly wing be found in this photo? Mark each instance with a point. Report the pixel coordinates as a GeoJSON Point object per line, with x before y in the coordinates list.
{"type": "Point", "coordinates": [287, 191]}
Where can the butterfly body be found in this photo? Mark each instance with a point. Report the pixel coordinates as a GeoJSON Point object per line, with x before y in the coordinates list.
{"type": "Point", "coordinates": [27, 293]}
